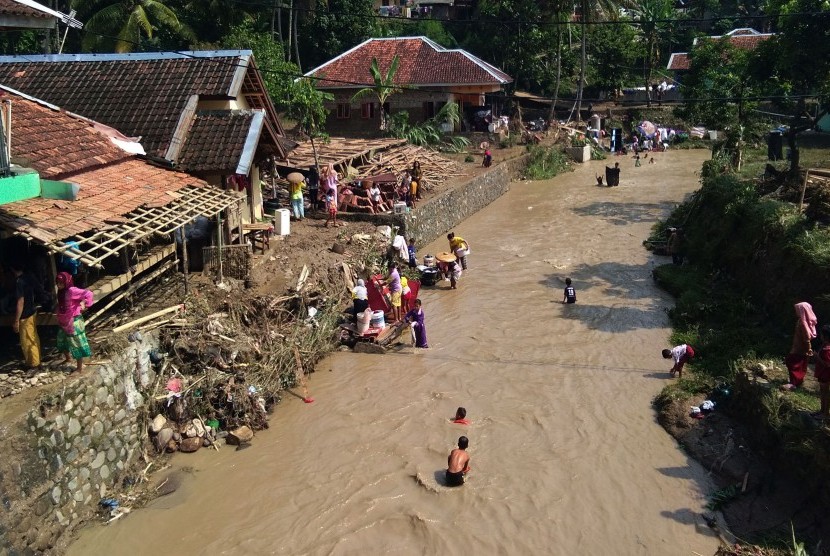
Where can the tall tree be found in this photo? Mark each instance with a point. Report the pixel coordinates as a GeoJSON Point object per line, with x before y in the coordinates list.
{"type": "Point", "coordinates": [719, 92]}
{"type": "Point", "coordinates": [327, 33]}
{"type": "Point", "coordinates": [307, 108]}
{"type": "Point", "coordinates": [122, 24]}
{"type": "Point", "coordinates": [593, 11]}
{"type": "Point", "coordinates": [653, 17]}
{"type": "Point", "coordinates": [613, 51]}
{"type": "Point", "coordinates": [277, 74]}
{"type": "Point", "coordinates": [796, 63]}
{"type": "Point", "coordinates": [383, 88]}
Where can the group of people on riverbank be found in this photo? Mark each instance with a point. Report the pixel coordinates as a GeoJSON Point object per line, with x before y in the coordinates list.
{"type": "Point", "coordinates": [29, 298]}
{"type": "Point", "coordinates": [325, 188]}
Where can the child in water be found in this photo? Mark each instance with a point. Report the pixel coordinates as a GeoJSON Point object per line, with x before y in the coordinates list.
{"type": "Point", "coordinates": [570, 292]}
{"type": "Point", "coordinates": [460, 417]}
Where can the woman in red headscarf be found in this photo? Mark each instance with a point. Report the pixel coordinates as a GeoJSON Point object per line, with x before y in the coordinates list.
{"type": "Point", "coordinates": [802, 350]}
{"type": "Point", "coordinates": [72, 301]}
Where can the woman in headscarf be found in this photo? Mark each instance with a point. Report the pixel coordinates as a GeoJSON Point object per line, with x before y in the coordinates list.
{"type": "Point", "coordinates": [802, 350]}
{"type": "Point", "coordinates": [72, 301]}
{"type": "Point", "coordinates": [361, 298]}
{"type": "Point", "coordinates": [419, 330]}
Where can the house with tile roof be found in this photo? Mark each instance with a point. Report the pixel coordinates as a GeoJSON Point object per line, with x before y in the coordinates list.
{"type": "Point", "coordinates": [428, 74]}
{"type": "Point", "coordinates": [77, 195]}
{"type": "Point", "coordinates": [744, 38]}
{"type": "Point", "coordinates": [206, 113]}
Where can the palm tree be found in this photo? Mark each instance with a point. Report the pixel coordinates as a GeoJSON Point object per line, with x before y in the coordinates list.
{"type": "Point", "coordinates": [383, 88]}
{"type": "Point", "coordinates": [652, 17]}
{"type": "Point", "coordinates": [124, 22]}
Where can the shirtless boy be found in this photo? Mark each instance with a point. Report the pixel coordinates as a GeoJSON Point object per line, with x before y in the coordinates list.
{"type": "Point", "coordinates": [458, 463]}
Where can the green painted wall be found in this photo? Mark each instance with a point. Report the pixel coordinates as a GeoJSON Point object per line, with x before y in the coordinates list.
{"type": "Point", "coordinates": [65, 191]}
{"type": "Point", "coordinates": [19, 187]}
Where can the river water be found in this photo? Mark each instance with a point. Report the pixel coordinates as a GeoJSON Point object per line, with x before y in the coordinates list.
{"type": "Point", "coordinates": [566, 455]}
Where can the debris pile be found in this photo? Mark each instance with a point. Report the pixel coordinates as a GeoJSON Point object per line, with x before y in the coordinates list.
{"type": "Point", "coordinates": [232, 354]}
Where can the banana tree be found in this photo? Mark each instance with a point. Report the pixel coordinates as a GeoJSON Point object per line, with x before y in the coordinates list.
{"type": "Point", "coordinates": [382, 89]}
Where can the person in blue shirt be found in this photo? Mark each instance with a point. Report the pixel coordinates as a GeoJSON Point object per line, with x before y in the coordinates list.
{"type": "Point", "coordinates": [413, 261]}
{"type": "Point", "coordinates": [570, 292]}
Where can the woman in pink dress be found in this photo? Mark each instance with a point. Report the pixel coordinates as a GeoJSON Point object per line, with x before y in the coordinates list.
{"type": "Point", "coordinates": [72, 301]}
{"type": "Point", "coordinates": [802, 350]}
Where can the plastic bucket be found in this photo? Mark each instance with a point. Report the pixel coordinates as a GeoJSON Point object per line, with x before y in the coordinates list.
{"type": "Point", "coordinates": [363, 322]}
{"type": "Point", "coordinates": [378, 320]}
{"type": "Point", "coordinates": [429, 260]}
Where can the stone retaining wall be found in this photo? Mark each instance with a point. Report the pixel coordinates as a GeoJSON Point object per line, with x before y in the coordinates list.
{"type": "Point", "coordinates": [82, 441]}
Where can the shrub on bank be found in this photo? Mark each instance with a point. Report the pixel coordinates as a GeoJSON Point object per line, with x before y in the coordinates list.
{"type": "Point", "coordinates": [544, 163]}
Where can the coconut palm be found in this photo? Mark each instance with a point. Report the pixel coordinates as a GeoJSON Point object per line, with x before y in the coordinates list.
{"type": "Point", "coordinates": [653, 18]}
{"type": "Point", "coordinates": [123, 23]}
{"type": "Point", "coordinates": [383, 88]}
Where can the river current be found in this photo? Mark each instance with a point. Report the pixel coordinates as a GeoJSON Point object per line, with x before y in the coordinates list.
{"type": "Point", "coordinates": [566, 455]}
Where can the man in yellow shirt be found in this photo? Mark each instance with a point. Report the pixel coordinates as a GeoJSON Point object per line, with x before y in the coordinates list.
{"type": "Point", "coordinates": [459, 247]}
{"type": "Point", "coordinates": [297, 200]}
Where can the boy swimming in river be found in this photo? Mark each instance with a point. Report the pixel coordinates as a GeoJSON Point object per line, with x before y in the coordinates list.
{"type": "Point", "coordinates": [460, 417]}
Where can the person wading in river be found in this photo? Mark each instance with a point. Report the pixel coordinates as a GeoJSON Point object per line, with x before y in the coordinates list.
{"type": "Point", "coordinates": [458, 463]}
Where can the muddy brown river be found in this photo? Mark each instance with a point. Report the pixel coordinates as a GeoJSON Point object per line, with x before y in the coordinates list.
{"type": "Point", "coordinates": [566, 455]}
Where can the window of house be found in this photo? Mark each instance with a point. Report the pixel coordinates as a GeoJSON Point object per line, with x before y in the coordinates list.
{"type": "Point", "coordinates": [344, 111]}
{"type": "Point", "coordinates": [429, 110]}
{"type": "Point", "coordinates": [367, 110]}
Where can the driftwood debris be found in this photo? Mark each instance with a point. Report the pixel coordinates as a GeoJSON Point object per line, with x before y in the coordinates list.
{"type": "Point", "coordinates": [436, 168]}
{"type": "Point", "coordinates": [142, 320]}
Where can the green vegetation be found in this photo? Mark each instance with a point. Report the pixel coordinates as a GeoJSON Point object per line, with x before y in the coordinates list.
{"type": "Point", "coordinates": [430, 132]}
{"type": "Point", "coordinates": [544, 163]}
{"type": "Point", "coordinates": [751, 254]}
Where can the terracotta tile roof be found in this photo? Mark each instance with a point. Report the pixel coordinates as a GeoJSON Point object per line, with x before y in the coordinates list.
{"type": "Point", "coordinates": [422, 62]}
{"type": "Point", "coordinates": [54, 143]}
{"type": "Point", "coordinates": [744, 38]}
{"type": "Point", "coordinates": [139, 94]}
{"type": "Point", "coordinates": [106, 194]}
{"type": "Point", "coordinates": [679, 61]}
{"type": "Point", "coordinates": [61, 145]}
{"type": "Point", "coordinates": [217, 140]}
{"type": "Point", "coordinates": [10, 7]}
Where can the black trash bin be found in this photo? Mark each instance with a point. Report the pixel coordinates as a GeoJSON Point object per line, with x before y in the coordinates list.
{"type": "Point", "coordinates": [775, 145]}
{"type": "Point", "coordinates": [429, 276]}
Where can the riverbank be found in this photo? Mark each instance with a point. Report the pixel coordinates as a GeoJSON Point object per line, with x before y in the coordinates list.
{"type": "Point", "coordinates": [751, 254]}
{"type": "Point", "coordinates": [359, 469]}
